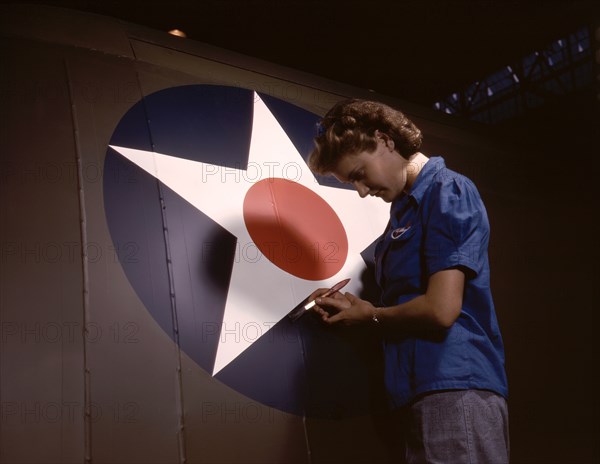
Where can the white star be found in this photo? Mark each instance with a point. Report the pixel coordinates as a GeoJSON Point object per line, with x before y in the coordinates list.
{"type": "Point", "coordinates": [260, 293]}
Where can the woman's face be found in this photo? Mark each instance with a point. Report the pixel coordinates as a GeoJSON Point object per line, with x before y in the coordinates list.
{"type": "Point", "coordinates": [380, 173]}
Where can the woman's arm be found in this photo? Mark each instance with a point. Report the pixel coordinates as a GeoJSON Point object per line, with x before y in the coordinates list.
{"type": "Point", "coordinates": [439, 307]}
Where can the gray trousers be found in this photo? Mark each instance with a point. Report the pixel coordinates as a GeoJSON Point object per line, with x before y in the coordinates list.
{"type": "Point", "coordinates": [456, 427]}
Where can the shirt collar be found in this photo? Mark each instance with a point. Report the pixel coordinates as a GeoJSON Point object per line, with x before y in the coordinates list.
{"type": "Point", "coordinates": [424, 178]}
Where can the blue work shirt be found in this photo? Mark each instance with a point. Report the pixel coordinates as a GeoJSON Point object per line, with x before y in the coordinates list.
{"type": "Point", "coordinates": [440, 224]}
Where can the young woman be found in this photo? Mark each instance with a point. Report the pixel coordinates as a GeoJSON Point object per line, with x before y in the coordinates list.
{"type": "Point", "coordinates": [444, 357]}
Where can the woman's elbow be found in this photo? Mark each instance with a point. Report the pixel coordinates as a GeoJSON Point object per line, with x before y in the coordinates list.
{"type": "Point", "coordinates": [445, 296]}
{"type": "Point", "coordinates": [446, 315]}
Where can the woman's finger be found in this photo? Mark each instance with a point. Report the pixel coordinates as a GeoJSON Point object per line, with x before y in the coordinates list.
{"type": "Point", "coordinates": [316, 293]}
{"type": "Point", "coordinates": [332, 302]}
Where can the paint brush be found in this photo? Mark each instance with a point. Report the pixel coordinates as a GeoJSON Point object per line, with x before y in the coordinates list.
{"type": "Point", "coordinates": [298, 311]}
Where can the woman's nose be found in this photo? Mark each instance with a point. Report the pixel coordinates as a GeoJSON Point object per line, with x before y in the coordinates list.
{"type": "Point", "coordinates": [361, 188]}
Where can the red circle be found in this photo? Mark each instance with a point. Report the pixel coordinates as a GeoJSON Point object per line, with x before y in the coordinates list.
{"type": "Point", "coordinates": [295, 229]}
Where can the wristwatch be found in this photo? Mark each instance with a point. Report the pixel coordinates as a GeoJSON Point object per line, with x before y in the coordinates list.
{"type": "Point", "coordinates": [375, 319]}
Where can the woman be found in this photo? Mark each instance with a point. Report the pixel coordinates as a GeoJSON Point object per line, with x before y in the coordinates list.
{"type": "Point", "coordinates": [444, 357]}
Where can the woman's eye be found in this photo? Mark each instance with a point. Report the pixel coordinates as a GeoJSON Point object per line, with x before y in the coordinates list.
{"type": "Point", "coordinates": [356, 176]}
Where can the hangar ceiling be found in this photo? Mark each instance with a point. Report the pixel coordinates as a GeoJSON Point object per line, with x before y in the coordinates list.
{"type": "Point", "coordinates": [419, 51]}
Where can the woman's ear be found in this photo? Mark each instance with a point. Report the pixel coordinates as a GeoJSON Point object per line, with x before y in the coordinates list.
{"type": "Point", "coordinates": [381, 136]}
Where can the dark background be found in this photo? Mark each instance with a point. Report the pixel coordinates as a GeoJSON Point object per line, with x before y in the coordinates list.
{"type": "Point", "coordinates": [420, 52]}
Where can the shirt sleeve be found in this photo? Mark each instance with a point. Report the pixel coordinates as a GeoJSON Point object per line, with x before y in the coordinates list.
{"type": "Point", "coordinates": [457, 230]}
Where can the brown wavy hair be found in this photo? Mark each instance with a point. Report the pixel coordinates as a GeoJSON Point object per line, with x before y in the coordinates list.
{"type": "Point", "coordinates": [349, 127]}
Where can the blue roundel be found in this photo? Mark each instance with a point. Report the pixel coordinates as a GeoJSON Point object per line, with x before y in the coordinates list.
{"type": "Point", "coordinates": [301, 367]}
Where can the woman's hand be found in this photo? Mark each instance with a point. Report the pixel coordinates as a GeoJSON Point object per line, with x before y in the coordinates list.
{"type": "Point", "coordinates": [349, 308]}
{"type": "Point", "coordinates": [317, 294]}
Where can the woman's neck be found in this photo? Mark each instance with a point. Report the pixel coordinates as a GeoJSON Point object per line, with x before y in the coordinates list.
{"type": "Point", "coordinates": [413, 168]}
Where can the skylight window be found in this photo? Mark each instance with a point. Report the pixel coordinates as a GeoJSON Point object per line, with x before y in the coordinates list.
{"type": "Point", "coordinates": [564, 66]}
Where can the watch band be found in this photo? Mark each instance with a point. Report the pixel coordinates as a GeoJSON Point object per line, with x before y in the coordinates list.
{"type": "Point", "coordinates": [375, 319]}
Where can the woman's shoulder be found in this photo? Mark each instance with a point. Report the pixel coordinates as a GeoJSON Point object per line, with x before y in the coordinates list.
{"type": "Point", "coordinates": [450, 181]}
